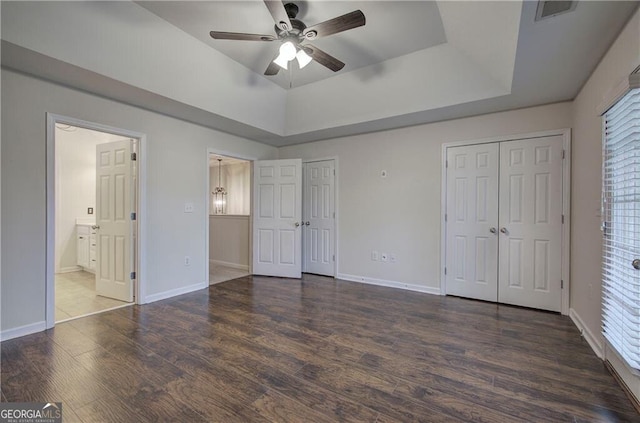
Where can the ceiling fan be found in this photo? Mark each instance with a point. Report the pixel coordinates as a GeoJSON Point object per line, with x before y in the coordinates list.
{"type": "Point", "coordinates": [293, 32]}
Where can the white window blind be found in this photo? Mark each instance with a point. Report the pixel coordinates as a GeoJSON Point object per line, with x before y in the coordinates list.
{"type": "Point", "coordinates": [621, 225]}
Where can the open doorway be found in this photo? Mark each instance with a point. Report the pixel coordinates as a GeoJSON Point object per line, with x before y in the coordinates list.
{"type": "Point", "coordinates": [229, 218]}
{"type": "Point", "coordinates": [94, 228]}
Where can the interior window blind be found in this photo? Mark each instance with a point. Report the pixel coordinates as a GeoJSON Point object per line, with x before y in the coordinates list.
{"type": "Point", "coordinates": [621, 226]}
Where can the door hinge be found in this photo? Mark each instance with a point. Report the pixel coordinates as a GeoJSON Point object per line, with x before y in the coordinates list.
{"type": "Point", "coordinates": [133, 275]}
{"type": "Point", "coordinates": [134, 156]}
{"type": "Point", "coordinates": [446, 163]}
{"type": "Point", "coordinates": [133, 215]}
{"type": "Point", "coordinates": [334, 257]}
{"type": "Point", "coordinates": [445, 270]}
{"type": "Point", "coordinates": [334, 172]}
{"type": "Point", "coordinates": [334, 215]}
{"type": "Point", "coordinates": [563, 219]}
{"type": "Point", "coordinates": [561, 284]}
{"type": "Point", "coordinates": [562, 154]}
{"type": "Point", "coordinates": [445, 217]}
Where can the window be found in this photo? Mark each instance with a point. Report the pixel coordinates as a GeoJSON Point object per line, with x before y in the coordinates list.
{"type": "Point", "coordinates": [621, 227]}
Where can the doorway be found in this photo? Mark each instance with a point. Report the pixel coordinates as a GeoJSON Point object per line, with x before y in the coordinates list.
{"type": "Point", "coordinates": [295, 222]}
{"type": "Point", "coordinates": [229, 218]}
{"type": "Point", "coordinates": [505, 209]}
{"type": "Point", "coordinates": [93, 181]}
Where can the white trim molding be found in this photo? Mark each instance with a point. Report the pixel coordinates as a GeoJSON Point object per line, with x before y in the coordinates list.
{"type": "Point", "coordinates": [69, 269]}
{"type": "Point", "coordinates": [23, 330]}
{"type": "Point", "coordinates": [175, 292]}
{"type": "Point", "coordinates": [390, 284]}
{"type": "Point", "coordinates": [591, 339]}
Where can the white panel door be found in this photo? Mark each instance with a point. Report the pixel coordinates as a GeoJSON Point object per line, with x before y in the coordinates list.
{"type": "Point", "coordinates": [114, 204]}
{"type": "Point", "coordinates": [318, 213]}
{"type": "Point", "coordinates": [277, 218]}
{"type": "Point", "coordinates": [472, 221]}
{"type": "Point", "coordinates": [531, 223]}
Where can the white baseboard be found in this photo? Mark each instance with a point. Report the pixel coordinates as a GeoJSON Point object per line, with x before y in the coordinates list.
{"type": "Point", "coordinates": [238, 266]}
{"type": "Point", "coordinates": [23, 330]}
{"type": "Point", "coordinates": [175, 292]}
{"type": "Point", "coordinates": [390, 284]}
{"type": "Point", "coordinates": [592, 340]}
{"type": "Point", "coordinates": [69, 269]}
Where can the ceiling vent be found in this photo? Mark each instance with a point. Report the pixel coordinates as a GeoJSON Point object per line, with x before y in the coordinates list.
{"type": "Point", "coordinates": [549, 8]}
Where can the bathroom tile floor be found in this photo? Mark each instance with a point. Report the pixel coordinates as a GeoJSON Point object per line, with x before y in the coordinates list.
{"type": "Point", "coordinates": [76, 296]}
{"type": "Point", "coordinates": [219, 274]}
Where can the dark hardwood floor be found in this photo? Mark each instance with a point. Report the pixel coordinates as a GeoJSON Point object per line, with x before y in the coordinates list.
{"type": "Point", "coordinates": [264, 349]}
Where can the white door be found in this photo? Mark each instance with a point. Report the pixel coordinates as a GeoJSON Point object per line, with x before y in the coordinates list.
{"type": "Point", "coordinates": [531, 223]}
{"type": "Point", "coordinates": [114, 204]}
{"type": "Point", "coordinates": [318, 213]}
{"type": "Point", "coordinates": [277, 218]}
{"type": "Point", "coordinates": [472, 221]}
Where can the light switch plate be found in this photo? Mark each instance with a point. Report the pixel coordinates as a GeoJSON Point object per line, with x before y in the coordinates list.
{"type": "Point", "coordinates": [188, 207]}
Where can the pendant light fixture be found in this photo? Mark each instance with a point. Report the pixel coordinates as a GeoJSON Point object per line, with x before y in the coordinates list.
{"type": "Point", "coordinates": [219, 193]}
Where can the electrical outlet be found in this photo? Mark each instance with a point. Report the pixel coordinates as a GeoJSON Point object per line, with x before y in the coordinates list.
{"type": "Point", "coordinates": [384, 257]}
{"type": "Point", "coordinates": [188, 207]}
{"type": "Point", "coordinates": [187, 261]}
{"type": "Point", "coordinates": [393, 258]}
{"type": "Point", "coordinates": [89, 210]}
{"type": "Point", "coordinates": [374, 255]}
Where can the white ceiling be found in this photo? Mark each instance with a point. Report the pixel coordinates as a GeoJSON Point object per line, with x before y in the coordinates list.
{"type": "Point", "coordinates": [393, 29]}
{"type": "Point", "coordinates": [414, 62]}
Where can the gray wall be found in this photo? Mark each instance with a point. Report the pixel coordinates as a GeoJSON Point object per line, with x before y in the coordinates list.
{"type": "Point", "coordinates": [400, 214]}
{"type": "Point", "coordinates": [177, 173]}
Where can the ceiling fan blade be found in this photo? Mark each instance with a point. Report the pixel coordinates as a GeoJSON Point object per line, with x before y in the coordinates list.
{"type": "Point", "coordinates": [335, 25]}
{"type": "Point", "coordinates": [279, 13]}
{"type": "Point", "coordinates": [272, 69]}
{"type": "Point", "coordinates": [323, 58]}
{"type": "Point", "coordinates": [240, 36]}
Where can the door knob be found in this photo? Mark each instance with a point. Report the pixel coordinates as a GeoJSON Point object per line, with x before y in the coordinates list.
{"type": "Point", "coordinates": [95, 227]}
{"type": "Point", "coordinates": [503, 230]}
{"type": "Point", "coordinates": [636, 264]}
{"type": "Point", "coordinates": [298, 224]}
{"type": "Point", "coordinates": [493, 230]}
{"type": "Point", "coordinates": [307, 223]}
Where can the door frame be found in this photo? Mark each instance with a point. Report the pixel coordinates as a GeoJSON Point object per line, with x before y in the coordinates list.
{"type": "Point", "coordinates": [250, 159]}
{"type": "Point", "coordinates": [140, 262]}
{"type": "Point", "coordinates": [565, 133]}
{"type": "Point", "coordinates": [335, 207]}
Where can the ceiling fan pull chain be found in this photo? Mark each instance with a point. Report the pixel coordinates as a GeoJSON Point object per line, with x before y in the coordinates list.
{"type": "Point", "coordinates": [290, 76]}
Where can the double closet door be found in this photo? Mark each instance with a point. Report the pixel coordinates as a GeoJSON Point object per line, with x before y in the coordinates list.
{"type": "Point", "coordinates": [504, 222]}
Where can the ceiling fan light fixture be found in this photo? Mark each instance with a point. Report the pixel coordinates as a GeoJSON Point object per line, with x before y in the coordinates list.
{"type": "Point", "coordinates": [303, 58]}
{"type": "Point", "coordinates": [288, 50]}
{"type": "Point", "coordinates": [281, 61]}
{"type": "Point", "coordinates": [287, 54]}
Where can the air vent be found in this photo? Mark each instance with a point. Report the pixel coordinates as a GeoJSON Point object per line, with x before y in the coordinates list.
{"type": "Point", "coordinates": [547, 9]}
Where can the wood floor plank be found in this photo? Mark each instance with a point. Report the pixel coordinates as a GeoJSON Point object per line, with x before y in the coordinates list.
{"type": "Point", "coordinates": [277, 407]}
{"type": "Point", "coordinates": [316, 349]}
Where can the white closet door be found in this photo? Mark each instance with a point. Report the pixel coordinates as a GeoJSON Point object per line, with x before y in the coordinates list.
{"type": "Point", "coordinates": [531, 223]}
{"type": "Point", "coordinates": [472, 221]}
{"type": "Point", "coordinates": [319, 218]}
{"type": "Point", "coordinates": [277, 218]}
